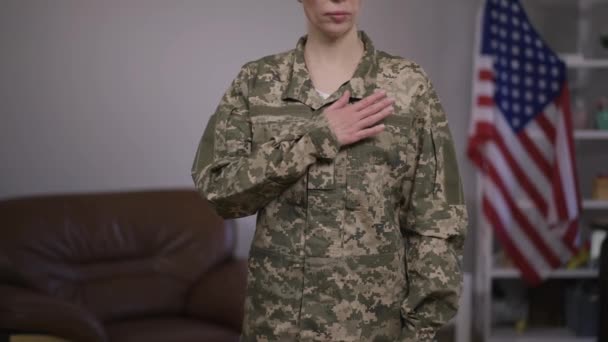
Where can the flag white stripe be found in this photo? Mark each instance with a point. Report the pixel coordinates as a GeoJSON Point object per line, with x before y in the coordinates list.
{"type": "Point", "coordinates": [552, 113]}
{"type": "Point", "coordinates": [485, 88]}
{"type": "Point", "coordinates": [483, 115]}
{"type": "Point", "coordinates": [565, 168]}
{"type": "Point", "coordinates": [540, 140]}
{"type": "Point", "coordinates": [522, 158]}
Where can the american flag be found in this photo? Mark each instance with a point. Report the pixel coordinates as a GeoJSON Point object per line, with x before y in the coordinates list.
{"type": "Point", "coordinates": [521, 141]}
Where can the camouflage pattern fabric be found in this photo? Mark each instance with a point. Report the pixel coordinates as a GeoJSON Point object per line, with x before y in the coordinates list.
{"type": "Point", "coordinates": [353, 243]}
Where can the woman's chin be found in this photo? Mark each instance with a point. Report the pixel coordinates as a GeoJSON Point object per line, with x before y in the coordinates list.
{"type": "Point", "coordinates": [336, 30]}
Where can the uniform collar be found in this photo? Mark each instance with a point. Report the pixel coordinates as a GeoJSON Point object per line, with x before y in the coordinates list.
{"type": "Point", "coordinates": [362, 83]}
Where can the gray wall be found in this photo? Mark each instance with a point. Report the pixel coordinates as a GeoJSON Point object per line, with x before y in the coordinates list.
{"type": "Point", "coordinates": [115, 94]}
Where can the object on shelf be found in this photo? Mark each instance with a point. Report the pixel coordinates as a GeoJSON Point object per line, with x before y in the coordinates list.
{"type": "Point", "coordinates": [509, 305]}
{"type": "Point", "coordinates": [604, 40]}
{"type": "Point", "coordinates": [597, 238]}
{"type": "Point", "coordinates": [502, 260]}
{"type": "Point", "coordinates": [601, 116]}
{"type": "Point", "coordinates": [579, 260]}
{"type": "Point", "coordinates": [506, 313]}
{"type": "Point", "coordinates": [600, 186]}
{"type": "Point", "coordinates": [582, 309]}
{"type": "Point", "coordinates": [580, 114]}
{"type": "Point", "coordinates": [521, 326]}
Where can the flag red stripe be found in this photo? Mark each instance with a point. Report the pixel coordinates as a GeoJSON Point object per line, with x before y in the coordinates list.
{"type": "Point", "coordinates": [562, 211]}
{"type": "Point", "coordinates": [538, 241]}
{"type": "Point", "coordinates": [563, 103]}
{"type": "Point", "coordinates": [558, 191]}
{"type": "Point", "coordinates": [528, 272]}
{"type": "Point", "coordinates": [570, 237]}
{"type": "Point", "coordinates": [547, 127]}
{"type": "Point", "coordinates": [573, 231]}
{"type": "Point", "coordinates": [485, 101]}
{"type": "Point", "coordinates": [535, 153]}
{"type": "Point", "coordinates": [486, 75]}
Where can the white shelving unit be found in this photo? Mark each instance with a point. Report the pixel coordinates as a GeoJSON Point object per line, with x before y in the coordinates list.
{"type": "Point", "coordinates": [487, 273]}
{"type": "Point", "coordinates": [538, 335]}
{"type": "Point", "coordinates": [580, 62]}
{"type": "Point", "coordinates": [595, 205]}
{"type": "Point", "coordinates": [590, 134]}
{"type": "Point", "coordinates": [512, 273]}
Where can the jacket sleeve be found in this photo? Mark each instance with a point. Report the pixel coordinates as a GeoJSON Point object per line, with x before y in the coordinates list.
{"type": "Point", "coordinates": [238, 179]}
{"type": "Point", "coordinates": [433, 221]}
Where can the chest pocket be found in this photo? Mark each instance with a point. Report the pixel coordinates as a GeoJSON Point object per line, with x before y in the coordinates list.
{"type": "Point", "coordinates": [265, 128]}
{"type": "Point", "coordinates": [386, 151]}
{"type": "Point", "coordinates": [376, 166]}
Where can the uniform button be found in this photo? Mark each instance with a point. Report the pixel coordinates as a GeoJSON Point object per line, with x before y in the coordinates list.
{"type": "Point", "coordinates": [350, 204]}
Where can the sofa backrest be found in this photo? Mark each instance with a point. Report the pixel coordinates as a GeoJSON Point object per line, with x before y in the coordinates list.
{"type": "Point", "coordinates": [117, 254]}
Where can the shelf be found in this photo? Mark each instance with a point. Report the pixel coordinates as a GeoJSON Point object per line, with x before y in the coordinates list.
{"type": "Point", "coordinates": [538, 335]}
{"type": "Point", "coordinates": [587, 204]}
{"type": "Point", "coordinates": [554, 3]}
{"type": "Point", "coordinates": [512, 273]}
{"type": "Point", "coordinates": [591, 134]}
{"type": "Point", "coordinates": [579, 62]}
{"type": "Point", "coordinates": [595, 204]}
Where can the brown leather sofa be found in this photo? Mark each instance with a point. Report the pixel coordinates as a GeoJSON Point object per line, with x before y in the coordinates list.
{"type": "Point", "coordinates": [146, 266]}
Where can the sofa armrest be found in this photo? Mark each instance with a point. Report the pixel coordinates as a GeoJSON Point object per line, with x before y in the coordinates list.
{"type": "Point", "coordinates": [29, 311]}
{"type": "Point", "coordinates": [219, 295]}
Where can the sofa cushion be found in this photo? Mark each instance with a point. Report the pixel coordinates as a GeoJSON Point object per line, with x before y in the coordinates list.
{"type": "Point", "coordinates": [220, 295]}
{"type": "Point", "coordinates": [28, 311]}
{"type": "Point", "coordinates": [119, 255]}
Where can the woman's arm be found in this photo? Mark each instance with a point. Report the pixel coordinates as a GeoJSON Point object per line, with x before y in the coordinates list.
{"type": "Point", "coordinates": [434, 223]}
{"type": "Point", "coordinates": [238, 181]}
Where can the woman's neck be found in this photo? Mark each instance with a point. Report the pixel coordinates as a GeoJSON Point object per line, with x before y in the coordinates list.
{"type": "Point", "coordinates": [325, 50]}
{"type": "Point", "coordinates": [331, 62]}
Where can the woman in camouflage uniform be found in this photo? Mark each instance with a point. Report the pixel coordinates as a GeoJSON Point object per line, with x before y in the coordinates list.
{"type": "Point", "coordinates": [345, 154]}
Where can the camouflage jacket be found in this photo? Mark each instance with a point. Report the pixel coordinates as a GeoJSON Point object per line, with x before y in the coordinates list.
{"type": "Point", "coordinates": [353, 243]}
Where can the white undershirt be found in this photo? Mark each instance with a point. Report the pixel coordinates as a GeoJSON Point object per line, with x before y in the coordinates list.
{"type": "Point", "coordinates": [323, 95]}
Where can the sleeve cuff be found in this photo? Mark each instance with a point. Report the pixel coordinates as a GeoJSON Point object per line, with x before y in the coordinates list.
{"type": "Point", "coordinates": [323, 138]}
{"type": "Point", "coordinates": [321, 142]}
{"type": "Point", "coordinates": [416, 334]}
{"type": "Point", "coordinates": [415, 328]}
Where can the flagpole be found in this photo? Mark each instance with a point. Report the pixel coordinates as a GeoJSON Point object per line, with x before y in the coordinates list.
{"type": "Point", "coordinates": [483, 242]}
